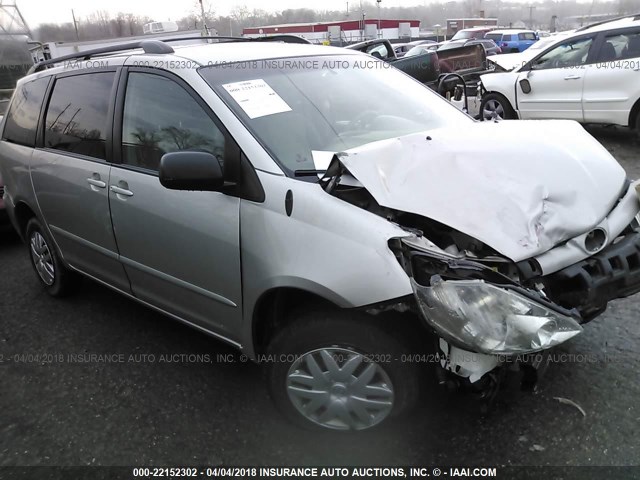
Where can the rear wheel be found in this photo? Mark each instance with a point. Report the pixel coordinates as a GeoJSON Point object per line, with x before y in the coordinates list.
{"type": "Point", "coordinates": [339, 370]}
{"type": "Point", "coordinates": [637, 129]}
{"type": "Point", "coordinates": [496, 107]}
{"type": "Point", "coordinates": [53, 275]}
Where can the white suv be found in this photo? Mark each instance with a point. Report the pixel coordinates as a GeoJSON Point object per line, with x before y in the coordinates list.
{"type": "Point", "coordinates": [593, 76]}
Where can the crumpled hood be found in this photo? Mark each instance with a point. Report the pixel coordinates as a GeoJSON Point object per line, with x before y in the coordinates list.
{"type": "Point", "coordinates": [520, 187]}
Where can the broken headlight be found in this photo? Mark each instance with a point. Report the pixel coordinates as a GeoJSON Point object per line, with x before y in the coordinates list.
{"type": "Point", "coordinates": [489, 319]}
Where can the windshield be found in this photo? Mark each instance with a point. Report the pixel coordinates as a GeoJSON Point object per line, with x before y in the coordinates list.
{"type": "Point", "coordinates": [421, 50]}
{"type": "Point", "coordinates": [544, 43]}
{"type": "Point", "coordinates": [295, 106]}
{"type": "Point", "coordinates": [465, 35]}
{"type": "Point", "coordinates": [496, 37]}
{"type": "Point", "coordinates": [452, 44]}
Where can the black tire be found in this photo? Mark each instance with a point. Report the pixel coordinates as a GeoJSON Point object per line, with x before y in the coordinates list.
{"type": "Point", "coordinates": [345, 334]}
{"type": "Point", "coordinates": [637, 129]}
{"type": "Point", "coordinates": [42, 250]}
{"type": "Point", "coordinates": [490, 100]}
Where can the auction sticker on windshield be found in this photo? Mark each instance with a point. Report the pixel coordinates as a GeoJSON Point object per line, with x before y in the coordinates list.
{"type": "Point", "coordinates": [256, 98]}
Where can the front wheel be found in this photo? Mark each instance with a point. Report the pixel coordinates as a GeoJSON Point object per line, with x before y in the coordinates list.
{"type": "Point", "coordinates": [339, 370]}
{"type": "Point", "coordinates": [53, 275]}
{"type": "Point", "coordinates": [496, 107]}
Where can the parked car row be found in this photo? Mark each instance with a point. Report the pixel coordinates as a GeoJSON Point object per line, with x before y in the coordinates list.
{"type": "Point", "coordinates": [591, 75]}
{"type": "Point", "coordinates": [508, 40]}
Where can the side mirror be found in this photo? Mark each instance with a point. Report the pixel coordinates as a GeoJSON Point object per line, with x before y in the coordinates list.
{"type": "Point", "coordinates": [187, 170]}
{"type": "Point", "coordinates": [528, 67]}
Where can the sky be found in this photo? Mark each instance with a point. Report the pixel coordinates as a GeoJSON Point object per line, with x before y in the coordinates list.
{"type": "Point", "coordinates": [59, 11]}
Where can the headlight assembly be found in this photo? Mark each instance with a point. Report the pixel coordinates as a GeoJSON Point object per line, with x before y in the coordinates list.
{"type": "Point", "coordinates": [489, 319]}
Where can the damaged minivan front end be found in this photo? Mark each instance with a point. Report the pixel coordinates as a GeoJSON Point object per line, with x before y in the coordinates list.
{"type": "Point", "coordinates": [485, 316]}
{"type": "Point", "coordinates": [507, 255]}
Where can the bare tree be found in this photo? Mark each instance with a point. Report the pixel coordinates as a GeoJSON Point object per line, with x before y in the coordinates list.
{"type": "Point", "coordinates": [101, 25]}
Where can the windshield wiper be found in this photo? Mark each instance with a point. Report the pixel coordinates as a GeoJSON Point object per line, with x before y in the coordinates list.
{"type": "Point", "coordinates": [307, 173]}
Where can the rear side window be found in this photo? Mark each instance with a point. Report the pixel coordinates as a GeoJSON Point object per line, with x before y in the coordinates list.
{"type": "Point", "coordinates": [526, 36]}
{"type": "Point", "coordinates": [76, 119]}
{"type": "Point", "coordinates": [620, 46]}
{"type": "Point", "coordinates": [22, 120]}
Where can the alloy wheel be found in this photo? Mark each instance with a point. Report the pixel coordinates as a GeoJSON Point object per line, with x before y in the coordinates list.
{"type": "Point", "coordinates": [42, 258]}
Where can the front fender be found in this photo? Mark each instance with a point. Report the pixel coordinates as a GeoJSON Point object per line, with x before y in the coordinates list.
{"type": "Point", "coordinates": [502, 83]}
{"type": "Point", "coordinates": [326, 247]}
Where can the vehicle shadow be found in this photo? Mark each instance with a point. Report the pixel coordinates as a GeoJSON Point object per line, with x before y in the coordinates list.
{"type": "Point", "coordinates": [612, 133]}
{"type": "Point", "coordinates": [8, 235]}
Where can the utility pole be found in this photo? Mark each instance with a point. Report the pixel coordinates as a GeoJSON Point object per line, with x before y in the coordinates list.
{"type": "Point", "coordinates": [75, 24]}
{"type": "Point", "coordinates": [531, 9]}
{"type": "Point", "coordinates": [362, 20]}
{"type": "Point", "coordinates": [379, 31]}
{"type": "Point", "coordinates": [205, 29]}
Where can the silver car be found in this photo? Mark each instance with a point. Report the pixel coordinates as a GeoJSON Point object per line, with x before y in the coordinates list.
{"type": "Point", "coordinates": [320, 211]}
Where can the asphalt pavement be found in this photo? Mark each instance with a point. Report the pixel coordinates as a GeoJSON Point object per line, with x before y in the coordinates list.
{"type": "Point", "coordinates": [96, 379]}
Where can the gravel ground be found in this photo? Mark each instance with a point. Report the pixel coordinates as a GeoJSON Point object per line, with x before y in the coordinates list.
{"type": "Point", "coordinates": [154, 413]}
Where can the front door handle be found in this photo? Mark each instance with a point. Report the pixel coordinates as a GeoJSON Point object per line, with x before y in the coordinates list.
{"type": "Point", "coordinates": [96, 183]}
{"type": "Point", "coordinates": [573, 77]}
{"type": "Point", "coordinates": [121, 191]}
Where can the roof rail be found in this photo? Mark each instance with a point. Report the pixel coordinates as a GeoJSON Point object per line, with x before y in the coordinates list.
{"type": "Point", "coordinates": [149, 46]}
{"type": "Point", "coordinates": [636, 16]}
{"type": "Point", "coordinates": [158, 46]}
{"type": "Point", "coordinates": [274, 38]}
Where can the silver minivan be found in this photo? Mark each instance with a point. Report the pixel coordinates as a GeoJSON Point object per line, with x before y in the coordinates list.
{"type": "Point", "coordinates": [319, 210]}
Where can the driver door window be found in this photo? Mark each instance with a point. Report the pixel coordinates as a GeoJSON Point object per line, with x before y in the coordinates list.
{"type": "Point", "coordinates": [161, 117]}
{"type": "Point", "coordinates": [568, 55]}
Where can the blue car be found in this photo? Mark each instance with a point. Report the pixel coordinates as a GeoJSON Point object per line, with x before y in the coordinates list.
{"type": "Point", "coordinates": [513, 41]}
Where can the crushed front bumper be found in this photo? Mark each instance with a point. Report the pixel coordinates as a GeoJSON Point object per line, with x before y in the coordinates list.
{"type": "Point", "coordinates": [590, 284]}
{"type": "Point", "coordinates": [505, 317]}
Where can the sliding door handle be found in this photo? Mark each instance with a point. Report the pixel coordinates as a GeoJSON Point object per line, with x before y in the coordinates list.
{"type": "Point", "coordinates": [121, 191]}
{"type": "Point", "coordinates": [96, 183]}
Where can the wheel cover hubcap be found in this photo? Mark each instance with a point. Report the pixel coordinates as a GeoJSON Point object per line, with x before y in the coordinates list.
{"type": "Point", "coordinates": [339, 388]}
{"type": "Point", "coordinates": [493, 109]}
{"type": "Point", "coordinates": [42, 259]}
